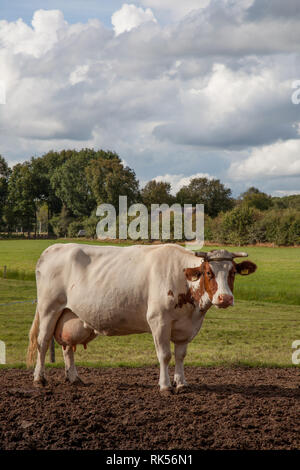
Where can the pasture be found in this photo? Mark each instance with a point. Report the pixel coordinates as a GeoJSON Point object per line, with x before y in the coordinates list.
{"type": "Point", "coordinates": [257, 331]}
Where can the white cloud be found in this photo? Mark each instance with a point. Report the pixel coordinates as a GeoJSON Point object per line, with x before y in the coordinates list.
{"type": "Point", "coordinates": [79, 74]}
{"type": "Point", "coordinates": [197, 97]}
{"type": "Point", "coordinates": [281, 193]}
{"type": "Point", "coordinates": [276, 160]}
{"type": "Point", "coordinates": [237, 106]}
{"type": "Point", "coordinates": [48, 27]}
{"type": "Point", "coordinates": [177, 9]}
{"type": "Point", "coordinates": [130, 17]}
{"type": "Point", "coordinates": [177, 181]}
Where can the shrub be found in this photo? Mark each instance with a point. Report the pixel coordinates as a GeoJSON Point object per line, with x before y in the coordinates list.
{"type": "Point", "coordinates": [74, 228]}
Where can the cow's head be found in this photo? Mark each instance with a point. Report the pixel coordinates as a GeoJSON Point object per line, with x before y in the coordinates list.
{"type": "Point", "coordinates": [212, 282]}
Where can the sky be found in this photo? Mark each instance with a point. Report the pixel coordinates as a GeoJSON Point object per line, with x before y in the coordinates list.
{"type": "Point", "coordinates": [178, 89]}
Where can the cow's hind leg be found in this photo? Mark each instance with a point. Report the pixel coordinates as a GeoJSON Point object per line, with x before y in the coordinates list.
{"type": "Point", "coordinates": [161, 334]}
{"type": "Point", "coordinates": [46, 331]}
{"type": "Point", "coordinates": [70, 368]}
{"type": "Point", "coordinates": [180, 352]}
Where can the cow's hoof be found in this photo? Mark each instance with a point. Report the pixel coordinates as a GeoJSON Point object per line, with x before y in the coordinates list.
{"type": "Point", "coordinates": [76, 381]}
{"type": "Point", "coordinates": [167, 391]}
{"type": "Point", "coordinates": [40, 382]}
{"type": "Point", "coordinates": [181, 388]}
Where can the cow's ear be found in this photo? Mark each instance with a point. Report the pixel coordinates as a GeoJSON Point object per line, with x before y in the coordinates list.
{"type": "Point", "coordinates": [193, 274]}
{"type": "Point", "coordinates": [245, 267]}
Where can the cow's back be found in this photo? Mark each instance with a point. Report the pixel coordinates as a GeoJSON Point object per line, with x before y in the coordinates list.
{"type": "Point", "coordinates": [110, 287]}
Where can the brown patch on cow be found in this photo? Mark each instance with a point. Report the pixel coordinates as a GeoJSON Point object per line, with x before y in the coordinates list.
{"type": "Point", "coordinates": [184, 299]}
{"type": "Point", "coordinates": [192, 274]}
{"type": "Point", "coordinates": [210, 283]}
{"type": "Point", "coordinates": [171, 293]}
{"type": "Point", "coordinates": [207, 281]}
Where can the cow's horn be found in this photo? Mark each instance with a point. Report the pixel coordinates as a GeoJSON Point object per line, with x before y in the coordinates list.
{"type": "Point", "coordinates": [201, 254]}
{"type": "Point", "coordinates": [239, 254]}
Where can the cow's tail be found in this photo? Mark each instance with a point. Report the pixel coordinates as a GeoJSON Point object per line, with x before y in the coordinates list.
{"type": "Point", "coordinates": [33, 335]}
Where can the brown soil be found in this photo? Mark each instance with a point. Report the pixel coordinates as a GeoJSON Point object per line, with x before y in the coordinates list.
{"type": "Point", "coordinates": [122, 408]}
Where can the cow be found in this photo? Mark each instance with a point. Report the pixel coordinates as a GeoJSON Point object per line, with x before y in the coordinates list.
{"type": "Point", "coordinates": [85, 290]}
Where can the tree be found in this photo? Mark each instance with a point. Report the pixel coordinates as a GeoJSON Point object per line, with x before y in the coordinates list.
{"type": "Point", "coordinates": [109, 179]}
{"type": "Point", "coordinates": [43, 167]}
{"type": "Point", "coordinates": [253, 197]}
{"type": "Point", "coordinates": [285, 202]}
{"type": "Point", "coordinates": [76, 186]}
{"type": "Point", "coordinates": [5, 172]}
{"type": "Point", "coordinates": [22, 198]}
{"type": "Point", "coordinates": [212, 193]}
{"type": "Point", "coordinates": [70, 184]}
{"type": "Point", "coordinates": [157, 193]}
{"type": "Point", "coordinates": [61, 222]}
{"type": "Point", "coordinates": [237, 224]}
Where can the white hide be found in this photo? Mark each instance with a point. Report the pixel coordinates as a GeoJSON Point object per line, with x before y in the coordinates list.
{"type": "Point", "coordinates": [221, 270]}
{"type": "Point", "coordinates": [120, 291]}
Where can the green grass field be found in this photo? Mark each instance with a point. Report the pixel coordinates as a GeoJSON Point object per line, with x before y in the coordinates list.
{"type": "Point", "coordinates": [257, 331]}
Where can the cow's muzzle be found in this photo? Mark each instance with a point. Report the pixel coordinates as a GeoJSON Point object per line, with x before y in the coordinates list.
{"type": "Point", "coordinates": [224, 301]}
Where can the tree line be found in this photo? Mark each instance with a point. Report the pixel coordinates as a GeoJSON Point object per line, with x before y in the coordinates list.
{"type": "Point", "coordinates": [58, 194]}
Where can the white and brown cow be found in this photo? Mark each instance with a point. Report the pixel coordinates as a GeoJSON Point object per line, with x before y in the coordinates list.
{"type": "Point", "coordinates": [85, 290]}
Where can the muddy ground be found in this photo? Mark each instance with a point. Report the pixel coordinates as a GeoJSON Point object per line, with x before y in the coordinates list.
{"type": "Point", "coordinates": [122, 408]}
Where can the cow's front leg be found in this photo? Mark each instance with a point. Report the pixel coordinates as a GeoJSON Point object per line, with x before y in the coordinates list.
{"type": "Point", "coordinates": [161, 334]}
{"type": "Point", "coordinates": [180, 352]}
{"type": "Point", "coordinates": [70, 368]}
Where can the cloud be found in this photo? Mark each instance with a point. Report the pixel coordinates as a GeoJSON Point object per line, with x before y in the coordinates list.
{"type": "Point", "coordinates": [47, 28]}
{"type": "Point", "coordinates": [280, 193]}
{"type": "Point", "coordinates": [176, 9]}
{"type": "Point", "coordinates": [130, 17]}
{"type": "Point", "coordinates": [177, 181]}
{"type": "Point", "coordinates": [238, 105]}
{"type": "Point", "coordinates": [262, 9]}
{"type": "Point", "coordinates": [201, 95]}
{"type": "Point", "coordinates": [281, 159]}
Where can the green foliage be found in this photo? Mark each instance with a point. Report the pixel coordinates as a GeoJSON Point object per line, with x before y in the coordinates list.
{"type": "Point", "coordinates": [108, 179]}
{"type": "Point", "coordinates": [212, 193]}
{"type": "Point", "coordinates": [4, 176]}
{"type": "Point", "coordinates": [253, 197]}
{"type": "Point", "coordinates": [43, 168]}
{"type": "Point", "coordinates": [74, 227]}
{"type": "Point", "coordinates": [90, 225]}
{"type": "Point", "coordinates": [60, 191]}
{"type": "Point", "coordinates": [281, 227]}
{"type": "Point", "coordinates": [23, 189]}
{"type": "Point", "coordinates": [155, 192]}
{"type": "Point", "coordinates": [247, 225]}
{"type": "Point", "coordinates": [61, 222]}
{"type": "Point", "coordinates": [287, 202]}
{"type": "Point", "coordinates": [70, 184]}
{"type": "Point", "coordinates": [237, 225]}
{"type": "Point", "coordinates": [42, 216]}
